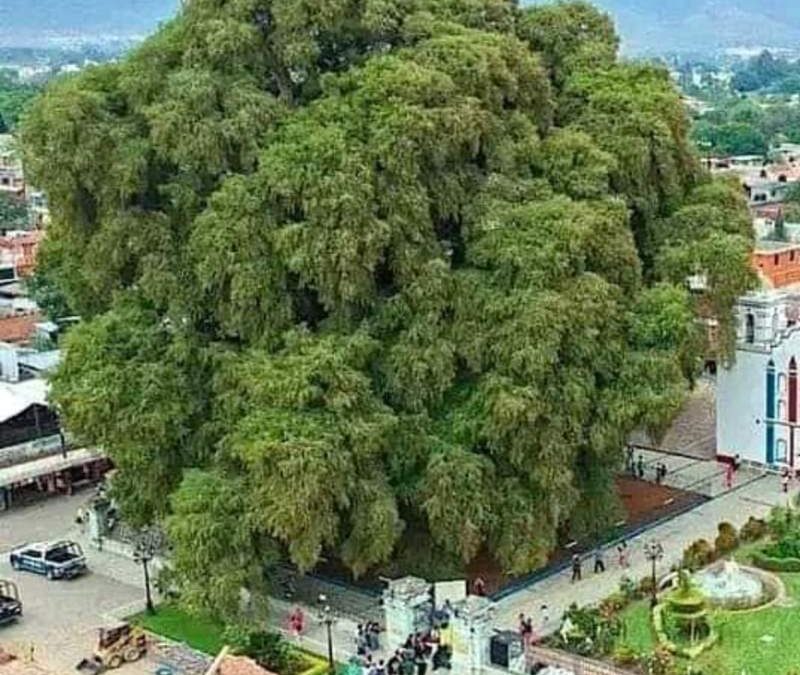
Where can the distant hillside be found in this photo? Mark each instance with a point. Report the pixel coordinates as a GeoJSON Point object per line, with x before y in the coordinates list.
{"type": "Point", "coordinates": [37, 23]}
{"type": "Point", "coordinates": [647, 26]}
{"type": "Point", "coordinates": [657, 26]}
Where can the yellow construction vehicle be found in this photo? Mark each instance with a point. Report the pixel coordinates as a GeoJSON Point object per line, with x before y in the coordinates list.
{"type": "Point", "coordinates": [122, 644]}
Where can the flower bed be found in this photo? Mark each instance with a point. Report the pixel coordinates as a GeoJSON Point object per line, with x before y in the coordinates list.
{"type": "Point", "coordinates": [689, 651]}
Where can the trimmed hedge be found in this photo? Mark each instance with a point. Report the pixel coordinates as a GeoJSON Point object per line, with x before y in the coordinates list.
{"type": "Point", "coordinates": [316, 664]}
{"type": "Point", "coordinates": [689, 652]}
{"type": "Point", "coordinates": [317, 669]}
{"type": "Point", "coordinates": [765, 562]}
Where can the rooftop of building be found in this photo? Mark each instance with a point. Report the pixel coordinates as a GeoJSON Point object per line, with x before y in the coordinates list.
{"type": "Point", "coordinates": [774, 246]}
{"type": "Point", "coordinates": [18, 329]}
{"type": "Point", "coordinates": [41, 362]}
{"type": "Point", "coordinates": [241, 665]}
{"type": "Point", "coordinates": [16, 397]}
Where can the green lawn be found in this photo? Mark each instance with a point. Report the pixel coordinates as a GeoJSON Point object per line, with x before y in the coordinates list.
{"type": "Point", "coordinates": [751, 643]}
{"type": "Point", "coordinates": [205, 635]}
{"type": "Point", "coordinates": [757, 643]}
{"type": "Point", "coordinates": [638, 633]}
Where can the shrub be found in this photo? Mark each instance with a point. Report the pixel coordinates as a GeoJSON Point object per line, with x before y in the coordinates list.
{"type": "Point", "coordinates": [660, 662]}
{"type": "Point", "coordinates": [269, 650]}
{"type": "Point", "coordinates": [698, 554]}
{"type": "Point", "coordinates": [624, 656]}
{"type": "Point", "coordinates": [614, 603]}
{"type": "Point", "coordinates": [781, 522]}
{"type": "Point", "coordinates": [645, 586]}
{"type": "Point", "coordinates": [726, 540]}
{"type": "Point", "coordinates": [786, 547]}
{"type": "Point", "coordinates": [766, 562]}
{"type": "Point", "coordinates": [628, 588]}
{"type": "Point", "coordinates": [753, 529]}
{"type": "Point", "coordinates": [593, 633]}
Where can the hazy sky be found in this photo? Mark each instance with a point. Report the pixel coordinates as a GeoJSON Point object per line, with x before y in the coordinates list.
{"type": "Point", "coordinates": [32, 21]}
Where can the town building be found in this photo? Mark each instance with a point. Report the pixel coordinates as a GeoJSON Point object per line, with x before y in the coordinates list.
{"type": "Point", "coordinates": [777, 263]}
{"type": "Point", "coordinates": [12, 179]}
{"type": "Point", "coordinates": [758, 411]}
{"type": "Point", "coordinates": [19, 249]}
{"type": "Point", "coordinates": [36, 458]}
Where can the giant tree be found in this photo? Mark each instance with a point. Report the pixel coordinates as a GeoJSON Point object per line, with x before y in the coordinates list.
{"type": "Point", "coordinates": [359, 267]}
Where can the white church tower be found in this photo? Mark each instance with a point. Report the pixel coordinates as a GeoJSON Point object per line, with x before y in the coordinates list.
{"type": "Point", "coordinates": [758, 411]}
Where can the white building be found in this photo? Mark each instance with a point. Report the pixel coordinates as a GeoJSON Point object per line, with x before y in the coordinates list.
{"type": "Point", "coordinates": [758, 411]}
{"type": "Point", "coordinates": [12, 180]}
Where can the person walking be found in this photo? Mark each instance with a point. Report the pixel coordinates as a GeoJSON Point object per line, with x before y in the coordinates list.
{"type": "Point", "coordinates": [785, 481]}
{"type": "Point", "coordinates": [525, 629]}
{"type": "Point", "coordinates": [599, 561]}
{"type": "Point", "coordinates": [577, 572]}
{"type": "Point", "coordinates": [640, 467]}
{"type": "Point", "coordinates": [729, 476]}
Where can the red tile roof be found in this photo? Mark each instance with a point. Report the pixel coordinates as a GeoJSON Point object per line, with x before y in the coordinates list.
{"type": "Point", "coordinates": [241, 665]}
{"type": "Point", "coordinates": [18, 329]}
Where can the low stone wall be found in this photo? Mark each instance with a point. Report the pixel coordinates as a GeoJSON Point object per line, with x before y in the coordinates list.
{"type": "Point", "coordinates": [576, 664]}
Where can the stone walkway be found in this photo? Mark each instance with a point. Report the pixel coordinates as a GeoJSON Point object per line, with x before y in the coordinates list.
{"type": "Point", "coordinates": [557, 593]}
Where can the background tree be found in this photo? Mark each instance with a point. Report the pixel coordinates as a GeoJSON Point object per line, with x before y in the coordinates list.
{"type": "Point", "coordinates": [13, 213]}
{"type": "Point", "coordinates": [375, 266]}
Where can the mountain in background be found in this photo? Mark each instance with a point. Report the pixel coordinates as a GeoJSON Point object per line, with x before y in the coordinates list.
{"type": "Point", "coordinates": [661, 26]}
{"type": "Point", "coordinates": [646, 26]}
{"type": "Point", "coordinates": [43, 23]}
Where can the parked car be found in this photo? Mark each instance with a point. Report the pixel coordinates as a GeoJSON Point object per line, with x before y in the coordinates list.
{"type": "Point", "coordinates": [56, 560]}
{"type": "Point", "coordinates": [10, 606]}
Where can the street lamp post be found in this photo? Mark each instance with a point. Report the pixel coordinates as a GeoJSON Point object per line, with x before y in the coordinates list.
{"type": "Point", "coordinates": [654, 551]}
{"type": "Point", "coordinates": [143, 552]}
{"type": "Point", "coordinates": [328, 618]}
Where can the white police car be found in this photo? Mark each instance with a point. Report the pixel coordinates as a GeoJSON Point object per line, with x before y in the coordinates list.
{"type": "Point", "coordinates": [56, 560]}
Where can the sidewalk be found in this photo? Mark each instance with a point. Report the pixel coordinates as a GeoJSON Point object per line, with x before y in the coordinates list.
{"type": "Point", "coordinates": [558, 593]}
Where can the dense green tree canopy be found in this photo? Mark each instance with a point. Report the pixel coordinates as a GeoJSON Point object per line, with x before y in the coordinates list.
{"type": "Point", "coordinates": [365, 263]}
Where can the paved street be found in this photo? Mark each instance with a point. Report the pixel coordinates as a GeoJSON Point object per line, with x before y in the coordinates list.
{"type": "Point", "coordinates": [61, 617]}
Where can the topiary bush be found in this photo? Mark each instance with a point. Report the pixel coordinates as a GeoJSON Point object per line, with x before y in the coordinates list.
{"type": "Point", "coordinates": [754, 529]}
{"type": "Point", "coordinates": [698, 554]}
{"type": "Point", "coordinates": [727, 539]}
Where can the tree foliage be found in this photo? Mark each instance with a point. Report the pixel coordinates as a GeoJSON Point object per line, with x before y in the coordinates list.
{"type": "Point", "coordinates": [13, 213]}
{"type": "Point", "coordinates": [15, 97]}
{"type": "Point", "coordinates": [362, 264]}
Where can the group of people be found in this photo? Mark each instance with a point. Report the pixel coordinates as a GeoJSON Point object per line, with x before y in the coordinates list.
{"type": "Point", "coordinates": [526, 629]}
{"type": "Point", "coordinates": [637, 467]}
{"type": "Point", "coordinates": [368, 638]}
{"type": "Point", "coordinates": [600, 561]}
{"type": "Point", "coordinates": [412, 658]}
